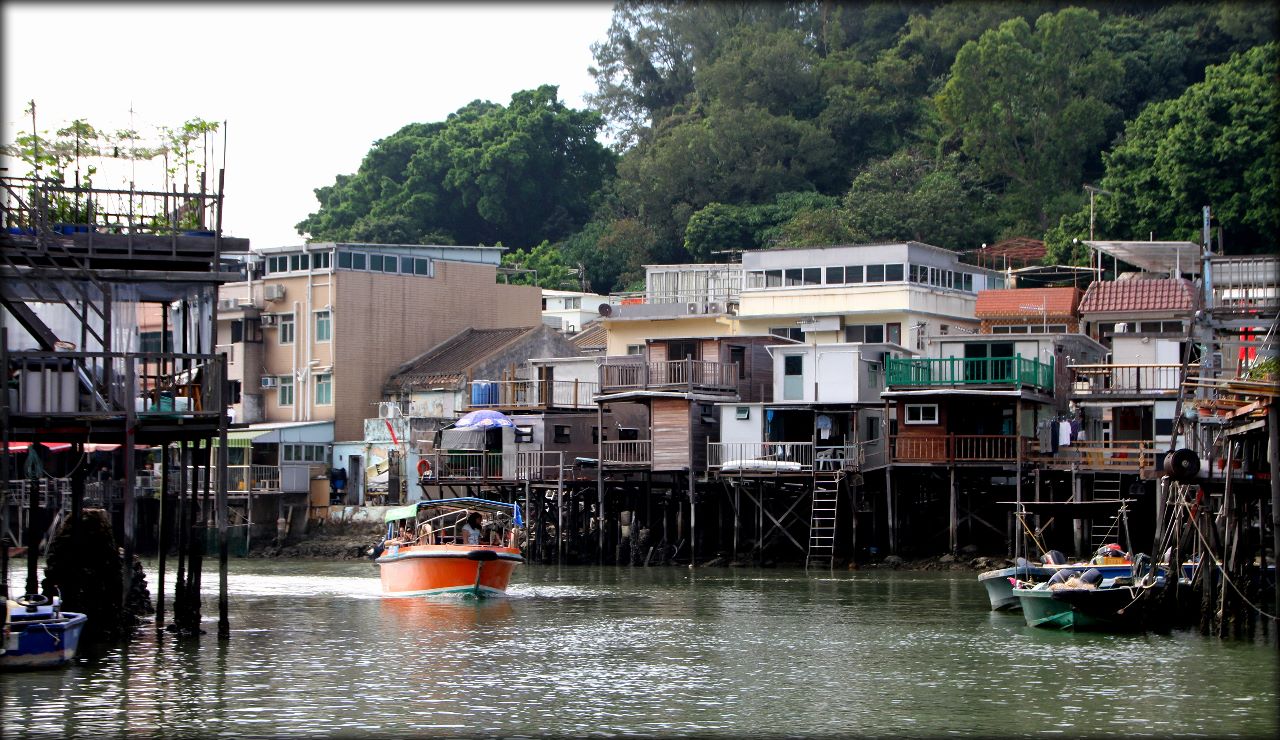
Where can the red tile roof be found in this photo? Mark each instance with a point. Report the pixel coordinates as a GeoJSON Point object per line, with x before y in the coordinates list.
{"type": "Point", "coordinates": [1027, 302]}
{"type": "Point", "coordinates": [1128, 296]}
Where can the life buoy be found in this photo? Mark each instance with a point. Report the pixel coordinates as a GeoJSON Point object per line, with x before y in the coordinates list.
{"type": "Point", "coordinates": [424, 467]}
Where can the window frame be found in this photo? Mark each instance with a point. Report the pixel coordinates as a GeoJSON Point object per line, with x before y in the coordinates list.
{"type": "Point", "coordinates": [326, 316]}
{"type": "Point", "coordinates": [284, 383]}
{"type": "Point", "coordinates": [284, 320]}
{"type": "Point", "coordinates": [323, 381]}
{"type": "Point", "coordinates": [921, 408]}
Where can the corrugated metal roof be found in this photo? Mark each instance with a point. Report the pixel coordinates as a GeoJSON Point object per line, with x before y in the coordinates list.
{"type": "Point", "coordinates": [592, 336]}
{"type": "Point", "coordinates": [1126, 296]}
{"type": "Point", "coordinates": [447, 362]}
{"type": "Point", "coordinates": [1025, 302]}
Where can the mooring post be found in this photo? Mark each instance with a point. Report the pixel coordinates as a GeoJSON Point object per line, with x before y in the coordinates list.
{"type": "Point", "coordinates": [162, 536]}
{"type": "Point", "coordinates": [693, 522]}
{"type": "Point", "coordinates": [889, 512]}
{"type": "Point", "coordinates": [953, 516]}
{"type": "Point", "coordinates": [600, 483]}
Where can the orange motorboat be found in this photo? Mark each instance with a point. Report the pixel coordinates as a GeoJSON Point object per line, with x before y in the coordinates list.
{"type": "Point", "coordinates": [456, 545]}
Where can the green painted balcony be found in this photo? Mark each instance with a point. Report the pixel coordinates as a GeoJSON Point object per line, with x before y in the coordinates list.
{"type": "Point", "coordinates": [951, 372]}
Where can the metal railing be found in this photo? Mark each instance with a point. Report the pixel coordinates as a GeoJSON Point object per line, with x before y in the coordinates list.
{"type": "Point", "coordinates": [541, 465]}
{"type": "Point", "coordinates": [75, 383]}
{"type": "Point", "coordinates": [689, 374]}
{"type": "Point", "coordinates": [959, 371]}
{"type": "Point", "coordinates": [1121, 380]}
{"type": "Point", "coordinates": [32, 207]}
{"type": "Point", "coordinates": [464, 465]}
{"type": "Point", "coordinates": [1246, 282]}
{"type": "Point", "coordinates": [761, 456]}
{"type": "Point", "coordinates": [627, 452]}
{"type": "Point", "coordinates": [532, 394]}
{"type": "Point", "coordinates": [956, 448]}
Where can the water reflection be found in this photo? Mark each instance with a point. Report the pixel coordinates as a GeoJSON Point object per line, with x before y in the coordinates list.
{"type": "Point", "coordinates": [317, 650]}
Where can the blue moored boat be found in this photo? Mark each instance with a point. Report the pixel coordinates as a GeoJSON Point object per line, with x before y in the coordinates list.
{"type": "Point", "coordinates": [38, 634]}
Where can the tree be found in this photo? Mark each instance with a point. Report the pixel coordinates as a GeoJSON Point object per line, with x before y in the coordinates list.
{"type": "Point", "coordinates": [1031, 108]}
{"type": "Point", "coordinates": [1218, 144]}
{"type": "Point", "coordinates": [548, 265]}
{"type": "Point", "coordinates": [518, 174]}
{"type": "Point", "coordinates": [912, 196]}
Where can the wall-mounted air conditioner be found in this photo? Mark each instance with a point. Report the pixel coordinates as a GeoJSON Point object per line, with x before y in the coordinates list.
{"type": "Point", "coordinates": [273, 292]}
{"type": "Point", "coordinates": [228, 304]}
{"type": "Point", "coordinates": [714, 307]}
{"type": "Point", "coordinates": [268, 381]}
{"type": "Point", "coordinates": [269, 319]}
{"type": "Point", "coordinates": [694, 308]}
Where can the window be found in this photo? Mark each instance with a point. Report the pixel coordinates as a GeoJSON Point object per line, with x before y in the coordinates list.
{"type": "Point", "coordinates": [284, 390]}
{"type": "Point", "coordinates": [524, 433]}
{"type": "Point", "coordinates": [324, 389]}
{"type": "Point", "coordinates": [742, 412]}
{"type": "Point", "coordinates": [1056, 329]}
{"type": "Point", "coordinates": [561, 433]}
{"type": "Point", "coordinates": [286, 328]}
{"type": "Point", "coordinates": [835, 275]}
{"type": "Point", "coordinates": [320, 260]}
{"type": "Point", "coordinates": [572, 303]}
{"type": "Point", "coordinates": [150, 341]}
{"type": "Point", "coordinates": [864, 333]}
{"type": "Point", "coordinates": [772, 278]}
{"type": "Point", "coordinates": [893, 273]}
{"type": "Point", "coordinates": [295, 452]}
{"type": "Point", "coordinates": [358, 260]}
{"type": "Point", "coordinates": [628, 434]}
{"type": "Point", "coordinates": [788, 332]}
{"type": "Point", "coordinates": [635, 349]}
{"type": "Point", "coordinates": [853, 274]}
{"type": "Point", "coordinates": [324, 326]}
{"type": "Point", "coordinates": [235, 391]}
{"type": "Point", "coordinates": [389, 263]}
{"type": "Point", "coordinates": [406, 265]}
{"type": "Point", "coordinates": [544, 304]}
{"type": "Point", "coordinates": [375, 262]}
{"type": "Point", "coordinates": [299, 262]}
{"type": "Point", "coordinates": [793, 276]}
{"type": "Point", "coordinates": [967, 282]}
{"type": "Point", "coordinates": [922, 413]}
{"type": "Point", "coordinates": [812, 276]}
{"type": "Point", "coordinates": [344, 260]}
{"type": "Point", "coordinates": [875, 273]}
{"type": "Point", "coordinates": [871, 429]}
{"type": "Point", "coordinates": [421, 266]}
{"type": "Point", "coordinates": [893, 332]}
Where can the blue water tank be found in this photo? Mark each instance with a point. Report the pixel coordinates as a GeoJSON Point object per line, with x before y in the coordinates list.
{"type": "Point", "coordinates": [484, 393]}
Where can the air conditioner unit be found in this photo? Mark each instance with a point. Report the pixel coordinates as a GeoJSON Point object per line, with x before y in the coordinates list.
{"type": "Point", "coordinates": [228, 304]}
{"type": "Point", "coordinates": [694, 308]}
{"type": "Point", "coordinates": [269, 319]}
{"type": "Point", "coordinates": [388, 410]}
{"type": "Point", "coordinates": [714, 307]}
{"type": "Point", "coordinates": [268, 381]}
{"type": "Point", "coordinates": [273, 292]}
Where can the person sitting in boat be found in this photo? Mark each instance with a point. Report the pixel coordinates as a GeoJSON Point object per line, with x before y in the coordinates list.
{"type": "Point", "coordinates": [471, 530]}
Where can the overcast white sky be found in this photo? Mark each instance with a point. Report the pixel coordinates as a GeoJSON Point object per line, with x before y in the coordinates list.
{"type": "Point", "coordinates": [305, 90]}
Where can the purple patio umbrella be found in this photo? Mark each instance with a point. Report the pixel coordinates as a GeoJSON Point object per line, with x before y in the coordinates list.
{"type": "Point", "coordinates": [484, 419]}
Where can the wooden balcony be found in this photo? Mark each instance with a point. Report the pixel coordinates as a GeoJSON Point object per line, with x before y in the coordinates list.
{"type": "Point", "coordinates": [962, 371]}
{"type": "Point", "coordinates": [1115, 382]}
{"type": "Point", "coordinates": [1112, 456]}
{"type": "Point", "coordinates": [670, 375]}
{"type": "Point", "coordinates": [956, 448]}
{"type": "Point", "coordinates": [532, 395]}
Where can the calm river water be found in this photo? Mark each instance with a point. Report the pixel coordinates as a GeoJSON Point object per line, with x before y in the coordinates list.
{"type": "Point", "coordinates": [315, 650]}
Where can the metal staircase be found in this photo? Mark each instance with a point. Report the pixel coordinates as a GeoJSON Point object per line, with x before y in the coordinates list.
{"type": "Point", "coordinates": [1107, 486]}
{"type": "Point", "coordinates": [822, 518]}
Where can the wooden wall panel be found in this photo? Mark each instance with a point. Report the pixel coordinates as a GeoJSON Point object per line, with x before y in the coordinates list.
{"type": "Point", "coordinates": [670, 433]}
{"type": "Point", "coordinates": [657, 352]}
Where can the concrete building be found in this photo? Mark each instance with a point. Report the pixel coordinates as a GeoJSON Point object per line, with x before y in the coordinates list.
{"type": "Point", "coordinates": [569, 311]}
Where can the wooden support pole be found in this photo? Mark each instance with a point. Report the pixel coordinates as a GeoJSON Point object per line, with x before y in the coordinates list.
{"type": "Point", "coordinates": [1077, 524]}
{"type": "Point", "coordinates": [600, 483]}
{"type": "Point", "coordinates": [953, 516]}
{"type": "Point", "coordinates": [1273, 454]}
{"type": "Point", "coordinates": [889, 512]}
{"type": "Point", "coordinates": [162, 536]}
{"type": "Point", "coordinates": [224, 623]}
{"type": "Point", "coordinates": [131, 392]}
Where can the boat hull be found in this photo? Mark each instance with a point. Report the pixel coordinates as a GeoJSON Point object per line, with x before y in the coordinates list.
{"type": "Point", "coordinates": [42, 643]}
{"type": "Point", "coordinates": [1000, 590]}
{"type": "Point", "coordinates": [421, 570]}
{"type": "Point", "coordinates": [1080, 610]}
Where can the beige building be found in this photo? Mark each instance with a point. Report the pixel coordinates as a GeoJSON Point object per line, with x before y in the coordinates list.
{"type": "Point", "coordinates": [315, 333]}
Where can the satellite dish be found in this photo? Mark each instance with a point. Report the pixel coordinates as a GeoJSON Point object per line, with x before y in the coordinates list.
{"type": "Point", "coordinates": [605, 309]}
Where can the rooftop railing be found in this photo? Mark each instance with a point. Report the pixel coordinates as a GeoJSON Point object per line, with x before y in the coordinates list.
{"type": "Point", "coordinates": [1125, 380]}
{"type": "Point", "coordinates": [532, 394]}
{"type": "Point", "coordinates": [966, 371]}
{"type": "Point", "coordinates": [688, 375]}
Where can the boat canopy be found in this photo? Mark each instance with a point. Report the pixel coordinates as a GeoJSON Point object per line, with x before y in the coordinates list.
{"type": "Point", "coordinates": [469, 503]}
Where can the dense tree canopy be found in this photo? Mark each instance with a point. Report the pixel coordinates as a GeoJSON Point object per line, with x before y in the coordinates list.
{"type": "Point", "coordinates": [517, 174]}
{"type": "Point", "coordinates": [757, 124]}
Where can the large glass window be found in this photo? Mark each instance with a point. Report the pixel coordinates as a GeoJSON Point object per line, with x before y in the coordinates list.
{"type": "Point", "coordinates": [864, 333]}
{"type": "Point", "coordinates": [324, 326]}
{"type": "Point", "coordinates": [853, 274]}
{"type": "Point", "coordinates": [875, 273]}
{"type": "Point", "coordinates": [324, 389]}
{"type": "Point", "coordinates": [812, 276]}
{"type": "Point", "coordinates": [344, 260]}
{"type": "Point", "coordinates": [835, 275]}
{"type": "Point", "coordinates": [893, 273]}
{"type": "Point", "coordinates": [773, 278]}
{"type": "Point", "coordinates": [375, 262]}
{"type": "Point", "coordinates": [358, 260]}
{"type": "Point", "coordinates": [794, 276]}
{"type": "Point", "coordinates": [284, 390]}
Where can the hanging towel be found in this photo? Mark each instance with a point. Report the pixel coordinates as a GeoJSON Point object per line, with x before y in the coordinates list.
{"type": "Point", "coordinates": [1064, 433]}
